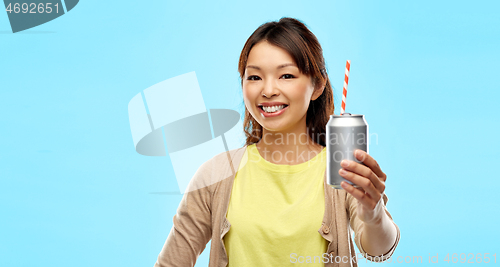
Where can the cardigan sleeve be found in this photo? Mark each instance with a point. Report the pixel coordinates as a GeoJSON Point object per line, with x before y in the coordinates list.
{"type": "Point", "coordinates": [192, 228]}
{"type": "Point", "coordinates": [357, 226]}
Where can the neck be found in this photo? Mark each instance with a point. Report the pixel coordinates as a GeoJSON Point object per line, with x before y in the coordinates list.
{"type": "Point", "coordinates": [290, 146]}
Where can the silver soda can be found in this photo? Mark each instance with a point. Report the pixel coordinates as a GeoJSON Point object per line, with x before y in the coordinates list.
{"type": "Point", "coordinates": [344, 134]}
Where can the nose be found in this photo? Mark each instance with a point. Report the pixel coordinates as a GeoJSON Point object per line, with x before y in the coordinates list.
{"type": "Point", "coordinates": [270, 88]}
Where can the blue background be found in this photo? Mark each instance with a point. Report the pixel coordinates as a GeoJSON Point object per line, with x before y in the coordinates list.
{"type": "Point", "coordinates": [74, 191]}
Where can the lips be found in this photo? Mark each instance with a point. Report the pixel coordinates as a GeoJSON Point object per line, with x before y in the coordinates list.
{"type": "Point", "coordinates": [272, 109]}
{"type": "Point", "coordinates": [273, 114]}
{"type": "Point", "coordinates": [267, 104]}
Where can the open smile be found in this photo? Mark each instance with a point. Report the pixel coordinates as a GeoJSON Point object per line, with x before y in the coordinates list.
{"type": "Point", "coordinates": [273, 111]}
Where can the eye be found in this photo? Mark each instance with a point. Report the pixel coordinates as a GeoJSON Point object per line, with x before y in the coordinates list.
{"type": "Point", "coordinates": [287, 76]}
{"type": "Point", "coordinates": [253, 78]}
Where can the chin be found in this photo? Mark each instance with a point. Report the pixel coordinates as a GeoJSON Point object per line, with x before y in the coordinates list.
{"type": "Point", "coordinates": [274, 128]}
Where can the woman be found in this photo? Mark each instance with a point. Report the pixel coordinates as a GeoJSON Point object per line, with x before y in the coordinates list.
{"type": "Point", "coordinates": [276, 209]}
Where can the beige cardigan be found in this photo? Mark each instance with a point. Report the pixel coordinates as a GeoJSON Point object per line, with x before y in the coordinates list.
{"type": "Point", "coordinates": [201, 217]}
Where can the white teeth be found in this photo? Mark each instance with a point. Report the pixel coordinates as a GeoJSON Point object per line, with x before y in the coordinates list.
{"type": "Point", "coordinates": [272, 109]}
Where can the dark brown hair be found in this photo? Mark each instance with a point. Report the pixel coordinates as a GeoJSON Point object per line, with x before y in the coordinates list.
{"type": "Point", "coordinates": [293, 36]}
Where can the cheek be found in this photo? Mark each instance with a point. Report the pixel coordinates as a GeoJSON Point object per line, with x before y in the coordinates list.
{"type": "Point", "coordinates": [302, 94]}
{"type": "Point", "coordinates": [307, 91]}
{"type": "Point", "coordinates": [248, 97]}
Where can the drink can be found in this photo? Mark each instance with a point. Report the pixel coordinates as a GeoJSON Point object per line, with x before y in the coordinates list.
{"type": "Point", "coordinates": [344, 134]}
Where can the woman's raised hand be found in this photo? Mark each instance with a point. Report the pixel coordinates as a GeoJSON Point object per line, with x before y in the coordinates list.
{"type": "Point", "coordinates": [371, 182]}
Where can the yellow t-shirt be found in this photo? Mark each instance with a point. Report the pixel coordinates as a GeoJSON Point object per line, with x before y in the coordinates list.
{"type": "Point", "coordinates": [275, 212]}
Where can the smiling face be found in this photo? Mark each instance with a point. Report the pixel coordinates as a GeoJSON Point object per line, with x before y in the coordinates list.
{"type": "Point", "coordinates": [272, 78]}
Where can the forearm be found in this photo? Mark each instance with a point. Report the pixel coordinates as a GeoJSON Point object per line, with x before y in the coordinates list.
{"type": "Point", "coordinates": [379, 236]}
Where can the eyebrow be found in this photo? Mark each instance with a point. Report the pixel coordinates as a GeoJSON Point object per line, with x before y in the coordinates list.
{"type": "Point", "coordinates": [279, 67]}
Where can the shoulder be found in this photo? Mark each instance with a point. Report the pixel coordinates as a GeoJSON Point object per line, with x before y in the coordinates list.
{"type": "Point", "coordinates": [225, 161]}
{"type": "Point", "coordinates": [221, 166]}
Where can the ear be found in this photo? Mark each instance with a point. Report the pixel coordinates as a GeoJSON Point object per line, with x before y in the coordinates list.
{"type": "Point", "coordinates": [318, 91]}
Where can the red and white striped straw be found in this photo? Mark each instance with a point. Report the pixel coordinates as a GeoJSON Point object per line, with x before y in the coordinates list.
{"type": "Point", "coordinates": [346, 81]}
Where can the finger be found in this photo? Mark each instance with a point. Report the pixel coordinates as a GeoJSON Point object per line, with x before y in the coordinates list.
{"type": "Point", "coordinates": [363, 171]}
{"type": "Point", "coordinates": [363, 182]}
{"type": "Point", "coordinates": [370, 162]}
{"type": "Point", "coordinates": [363, 198]}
